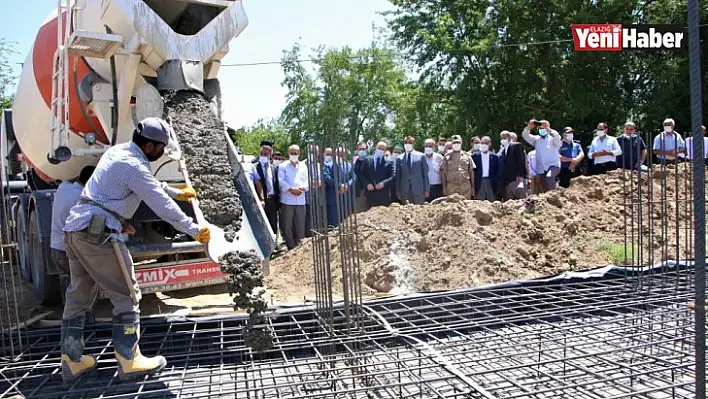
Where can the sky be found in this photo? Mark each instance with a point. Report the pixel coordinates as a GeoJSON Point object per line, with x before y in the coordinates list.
{"type": "Point", "coordinates": [249, 92]}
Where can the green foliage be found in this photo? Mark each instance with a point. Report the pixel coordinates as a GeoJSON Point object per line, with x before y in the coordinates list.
{"type": "Point", "coordinates": [7, 77]}
{"type": "Point", "coordinates": [514, 60]}
{"type": "Point", "coordinates": [617, 253]}
{"type": "Point", "coordinates": [249, 139]}
{"type": "Point", "coordinates": [359, 94]}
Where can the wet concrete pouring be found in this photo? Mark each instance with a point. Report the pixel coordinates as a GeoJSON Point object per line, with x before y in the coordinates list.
{"type": "Point", "coordinates": [201, 136]}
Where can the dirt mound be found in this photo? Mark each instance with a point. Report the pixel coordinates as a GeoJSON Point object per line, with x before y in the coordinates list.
{"type": "Point", "coordinates": [458, 243]}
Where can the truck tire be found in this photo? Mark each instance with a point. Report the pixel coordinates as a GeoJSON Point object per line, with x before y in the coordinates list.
{"type": "Point", "coordinates": [46, 286]}
{"type": "Point", "coordinates": [21, 237]}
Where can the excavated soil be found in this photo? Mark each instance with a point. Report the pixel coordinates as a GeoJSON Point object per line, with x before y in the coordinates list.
{"type": "Point", "coordinates": [461, 243]}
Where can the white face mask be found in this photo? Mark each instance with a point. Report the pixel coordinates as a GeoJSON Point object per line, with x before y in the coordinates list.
{"type": "Point", "coordinates": [294, 158]}
{"type": "Point", "coordinates": [569, 137]}
{"type": "Point", "coordinates": [263, 159]}
{"type": "Point", "coordinates": [504, 142]}
{"type": "Point", "coordinates": [441, 148]}
{"type": "Point", "coordinates": [276, 163]}
{"type": "Point", "coordinates": [428, 150]}
{"type": "Point", "coordinates": [328, 158]}
{"type": "Point", "coordinates": [668, 129]}
{"type": "Point", "coordinates": [475, 147]}
{"type": "Point", "coordinates": [387, 157]}
{"type": "Point", "coordinates": [395, 155]}
{"type": "Point", "coordinates": [408, 147]}
{"type": "Point", "coordinates": [456, 147]}
{"type": "Point", "coordinates": [600, 133]}
{"type": "Point", "coordinates": [483, 147]}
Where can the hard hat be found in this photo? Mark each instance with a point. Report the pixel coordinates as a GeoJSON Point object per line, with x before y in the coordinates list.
{"type": "Point", "coordinates": [154, 129]}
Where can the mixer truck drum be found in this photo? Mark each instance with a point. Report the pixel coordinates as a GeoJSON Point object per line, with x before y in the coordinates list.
{"type": "Point", "coordinates": [61, 154]}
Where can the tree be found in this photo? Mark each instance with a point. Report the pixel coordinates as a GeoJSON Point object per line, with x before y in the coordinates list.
{"type": "Point", "coordinates": [249, 139]}
{"type": "Point", "coordinates": [509, 60]}
{"type": "Point", "coordinates": [7, 77]}
{"type": "Point", "coordinates": [352, 94]}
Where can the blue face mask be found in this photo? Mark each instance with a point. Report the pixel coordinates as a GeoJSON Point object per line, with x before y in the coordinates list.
{"type": "Point", "coordinates": [379, 153]}
{"type": "Point", "coordinates": [328, 159]}
{"type": "Point", "coordinates": [543, 132]}
{"type": "Point", "coordinates": [362, 153]}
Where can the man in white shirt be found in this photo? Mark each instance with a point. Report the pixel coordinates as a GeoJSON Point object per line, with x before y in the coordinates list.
{"type": "Point", "coordinates": [668, 144]}
{"type": "Point", "coordinates": [66, 196]}
{"type": "Point", "coordinates": [434, 159]}
{"type": "Point", "coordinates": [604, 151]}
{"type": "Point", "coordinates": [533, 175]}
{"type": "Point", "coordinates": [293, 182]}
{"type": "Point", "coordinates": [689, 145]}
{"type": "Point", "coordinates": [546, 143]}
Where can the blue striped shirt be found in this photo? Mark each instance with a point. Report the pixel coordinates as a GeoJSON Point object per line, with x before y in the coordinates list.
{"type": "Point", "coordinates": [121, 181]}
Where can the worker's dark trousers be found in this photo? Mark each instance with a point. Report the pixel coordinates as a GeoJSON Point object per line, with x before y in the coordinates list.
{"type": "Point", "coordinates": [565, 175]}
{"type": "Point", "coordinates": [93, 265]}
{"type": "Point", "coordinates": [602, 168]}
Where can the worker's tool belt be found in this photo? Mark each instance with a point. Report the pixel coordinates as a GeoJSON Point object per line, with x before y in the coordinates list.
{"type": "Point", "coordinates": [97, 230]}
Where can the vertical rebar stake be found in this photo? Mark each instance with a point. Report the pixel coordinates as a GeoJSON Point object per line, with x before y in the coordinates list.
{"type": "Point", "coordinates": [694, 58]}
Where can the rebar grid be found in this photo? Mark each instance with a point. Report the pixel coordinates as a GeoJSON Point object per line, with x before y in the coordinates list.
{"type": "Point", "coordinates": [335, 177]}
{"type": "Point", "coordinates": [574, 339]}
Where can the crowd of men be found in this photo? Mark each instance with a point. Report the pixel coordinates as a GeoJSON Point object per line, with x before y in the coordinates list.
{"type": "Point", "coordinates": [405, 175]}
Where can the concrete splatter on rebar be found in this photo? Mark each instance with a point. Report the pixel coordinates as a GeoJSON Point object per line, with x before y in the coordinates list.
{"type": "Point", "coordinates": [201, 137]}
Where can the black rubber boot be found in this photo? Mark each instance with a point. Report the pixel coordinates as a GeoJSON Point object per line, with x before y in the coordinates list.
{"type": "Point", "coordinates": [131, 363]}
{"type": "Point", "coordinates": [73, 361]}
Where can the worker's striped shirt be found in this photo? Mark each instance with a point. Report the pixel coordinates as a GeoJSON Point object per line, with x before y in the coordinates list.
{"type": "Point", "coordinates": [122, 180]}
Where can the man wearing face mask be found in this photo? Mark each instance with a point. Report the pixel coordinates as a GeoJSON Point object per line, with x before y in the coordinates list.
{"type": "Point", "coordinates": [457, 171]}
{"type": "Point", "coordinates": [486, 177]}
{"type": "Point", "coordinates": [513, 168]}
{"type": "Point", "coordinates": [689, 145]}
{"type": "Point", "coordinates": [412, 182]}
{"type": "Point", "coordinates": [546, 143]}
{"type": "Point", "coordinates": [121, 181]}
{"type": "Point", "coordinates": [634, 150]}
{"type": "Point", "coordinates": [442, 141]}
{"type": "Point", "coordinates": [293, 180]}
{"type": "Point", "coordinates": [264, 177]}
{"type": "Point", "coordinates": [360, 204]}
{"type": "Point", "coordinates": [434, 160]}
{"type": "Point", "coordinates": [475, 144]}
{"type": "Point", "coordinates": [378, 177]}
{"type": "Point", "coordinates": [604, 151]}
{"type": "Point", "coordinates": [668, 144]}
{"type": "Point", "coordinates": [571, 154]}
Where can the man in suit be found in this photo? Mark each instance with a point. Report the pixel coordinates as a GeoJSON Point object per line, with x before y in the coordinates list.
{"type": "Point", "coordinates": [377, 177]}
{"type": "Point", "coordinates": [338, 179]}
{"type": "Point", "coordinates": [412, 181]}
{"type": "Point", "coordinates": [362, 152]}
{"type": "Point", "coordinates": [265, 177]}
{"type": "Point", "coordinates": [513, 170]}
{"type": "Point", "coordinates": [486, 176]}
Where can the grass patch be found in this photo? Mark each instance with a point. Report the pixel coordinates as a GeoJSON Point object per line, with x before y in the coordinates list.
{"type": "Point", "coordinates": [616, 252]}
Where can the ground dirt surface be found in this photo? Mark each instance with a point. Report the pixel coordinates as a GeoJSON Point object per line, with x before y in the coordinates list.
{"type": "Point", "coordinates": [455, 244]}
{"type": "Point", "coordinates": [465, 243]}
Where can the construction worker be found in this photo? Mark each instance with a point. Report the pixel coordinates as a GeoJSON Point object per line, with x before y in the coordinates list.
{"type": "Point", "coordinates": [96, 231]}
{"type": "Point", "coordinates": [65, 197]}
{"type": "Point", "coordinates": [457, 171]}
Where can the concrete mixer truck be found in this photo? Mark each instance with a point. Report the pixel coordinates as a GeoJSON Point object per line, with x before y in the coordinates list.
{"type": "Point", "coordinates": [96, 68]}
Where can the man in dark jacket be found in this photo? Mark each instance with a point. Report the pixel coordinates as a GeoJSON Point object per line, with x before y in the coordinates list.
{"type": "Point", "coordinates": [265, 177]}
{"type": "Point", "coordinates": [487, 171]}
{"type": "Point", "coordinates": [513, 175]}
{"type": "Point", "coordinates": [362, 152]}
{"type": "Point", "coordinates": [378, 177]}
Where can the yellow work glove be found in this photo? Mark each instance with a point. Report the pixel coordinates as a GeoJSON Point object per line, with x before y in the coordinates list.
{"type": "Point", "coordinates": [186, 194]}
{"type": "Point", "coordinates": [204, 235]}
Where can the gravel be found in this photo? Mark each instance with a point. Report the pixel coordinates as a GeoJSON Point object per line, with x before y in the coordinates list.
{"type": "Point", "coordinates": [201, 135]}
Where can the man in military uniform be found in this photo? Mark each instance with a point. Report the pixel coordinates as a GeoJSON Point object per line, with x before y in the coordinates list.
{"type": "Point", "coordinates": [457, 171]}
